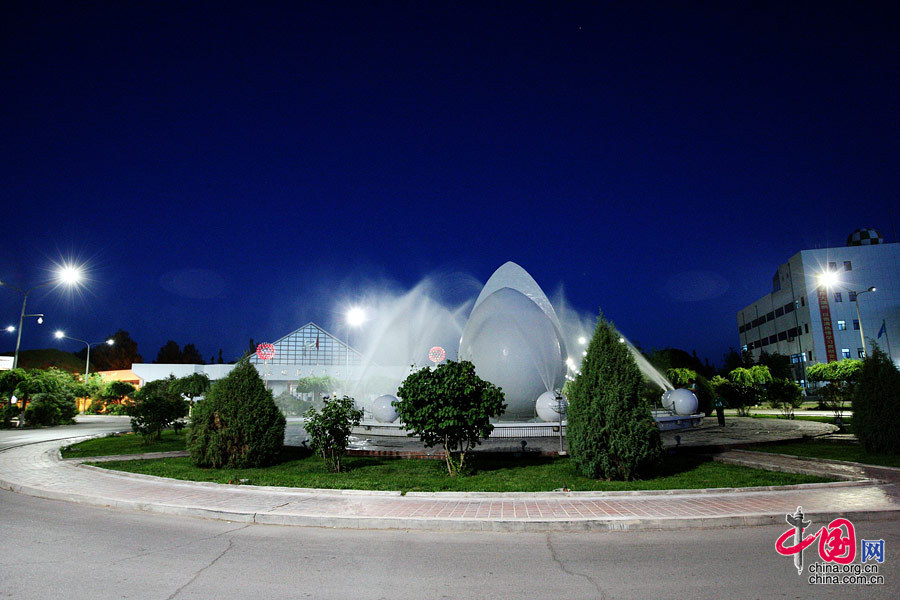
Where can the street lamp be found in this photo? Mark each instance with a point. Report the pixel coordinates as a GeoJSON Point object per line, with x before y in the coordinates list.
{"type": "Point", "coordinates": [67, 275]}
{"type": "Point", "coordinates": [859, 318]}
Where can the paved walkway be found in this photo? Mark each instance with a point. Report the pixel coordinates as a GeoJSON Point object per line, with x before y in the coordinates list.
{"type": "Point", "coordinates": [37, 470]}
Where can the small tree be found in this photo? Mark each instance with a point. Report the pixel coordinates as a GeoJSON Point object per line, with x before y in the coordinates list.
{"type": "Point", "coordinates": [785, 395]}
{"type": "Point", "coordinates": [237, 423]}
{"type": "Point", "coordinates": [449, 406]}
{"type": "Point", "coordinates": [611, 431]}
{"type": "Point", "coordinates": [749, 387]}
{"type": "Point", "coordinates": [329, 430]}
{"type": "Point", "coordinates": [841, 376]}
{"type": "Point", "coordinates": [191, 386]}
{"type": "Point", "coordinates": [156, 407]}
{"type": "Point", "coordinates": [116, 391]}
{"type": "Point", "coordinates": [876, 410]}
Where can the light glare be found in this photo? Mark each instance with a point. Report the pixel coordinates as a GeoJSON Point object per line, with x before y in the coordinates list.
{"type": "Point", "coordinates": [828, 279]}
{"type": "Point", "coordinates": [70, 274]}
{"type": "Point", "coordinates": [356, 316]}
{"type": "Point", "coordinates": [59, 335]}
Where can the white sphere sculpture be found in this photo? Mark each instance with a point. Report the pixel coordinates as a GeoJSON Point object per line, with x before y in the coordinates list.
{"type": "Point", "coordinates": [383, 409]}
{"type": "Point", "coordinates": [684, 402]}
{"type": "Point", "coordinates": [667, 400]}
{"type": "Point", "coordinates": [546, 407]}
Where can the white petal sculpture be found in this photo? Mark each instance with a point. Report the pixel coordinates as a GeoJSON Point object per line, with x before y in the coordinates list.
{"type": "Point", "coordinates": [514, 340]}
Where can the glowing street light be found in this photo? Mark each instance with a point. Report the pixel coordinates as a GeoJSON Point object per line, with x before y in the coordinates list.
{"type": "Point", "coordinates": [582, 340]}
{"type": "Point", "coordinates": [355, 317]}
{"type": "Point", "coordinates": [859, 318]}
{"type": "Point", "coordinates": [87, 361]}
{"type": "Point", "coordinates": [68, 275]}
{"type": "Point", "coordinates": [828, 279]}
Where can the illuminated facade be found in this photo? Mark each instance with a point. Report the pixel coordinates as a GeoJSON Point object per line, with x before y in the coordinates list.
{"type": "Point", "coordinates": [810, 322]}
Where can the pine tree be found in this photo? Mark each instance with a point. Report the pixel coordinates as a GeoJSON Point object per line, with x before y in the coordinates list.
{"type": "Point", "coordinates": [237, 424]}
{"type": "Point", "coordinates": [876, 409]}
{"type": "Point", "coordinates": [611, 432]}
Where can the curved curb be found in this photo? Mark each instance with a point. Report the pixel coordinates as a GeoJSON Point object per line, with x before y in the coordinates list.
{"type": "Point", "coordinates": [381, 521]}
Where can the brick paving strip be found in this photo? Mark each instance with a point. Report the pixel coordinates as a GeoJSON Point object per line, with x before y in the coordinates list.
{"type": "Point", "coordinates": [37, 470]}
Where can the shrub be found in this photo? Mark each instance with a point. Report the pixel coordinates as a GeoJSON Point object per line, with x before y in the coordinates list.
{"type": "Point", "coordinates": [786, 396]}
{"type": "Point", "coordinates": [329, 430]}
{"type": "Point", "coordinates": [611, 432]}
{"type": "Point", "coordinates": [117, 409]}
{"type": "Point", "coordinates": [449, 406]}
{"type": "Point", "coordinates": [237, 424]}
{"type": "Point", "coordinates": [876, 410]}
{"type": "Point", "coordinates": [50, 409]}
{"type": "Point", "coordinates": [156, 406]}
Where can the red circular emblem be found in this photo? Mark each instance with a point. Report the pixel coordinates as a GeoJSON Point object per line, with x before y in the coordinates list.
{"type": "Point", "coordinates": [265, 351]}
{"type": "Point", "coordinates": [436, 354]}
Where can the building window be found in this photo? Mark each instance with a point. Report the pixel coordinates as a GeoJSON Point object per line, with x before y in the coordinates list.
{"type": "Point", "coordinates": [842, 325]}
{"type": "Point", "coordinates": [861, 352]}
{"type": "Point", "coordinates": [856, 324]}
{"type": "Point", "coordinates": [832, 266]}
{"type": "Point", "coordinates": [838, 297]}
{"type": "Point", "coordinates": [806, 328]}
{"type": "Point", "coordinates": [810, 355]}
{"type": "Point", "coordinates": [744, 347]}
{"type": "Point", "coordinates": [848, 266]}
{"type": "Point", "coordinates": [802, 301]}
{"type": "Point", "coordinates": [851, 296]}
{"type": "Point", "coordinates": [845, 352]}
{"type": "Point", "coordinates": [770, 316]}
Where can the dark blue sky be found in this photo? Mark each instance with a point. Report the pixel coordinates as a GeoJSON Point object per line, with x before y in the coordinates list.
{"type": "Point", "coordinates": [236, 171]}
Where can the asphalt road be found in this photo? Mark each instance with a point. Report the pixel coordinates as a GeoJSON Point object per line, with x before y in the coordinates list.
{"type": "Point", "coordinates": [51, 549]}
{"type": "Point", "coordinates": [84, 425]}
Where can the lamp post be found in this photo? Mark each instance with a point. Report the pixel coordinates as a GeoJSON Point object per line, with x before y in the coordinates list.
{"type": "Point", "coordinates": [87, 361]}
{"type": "Point", "coordinates": [862, 338]}
{"type": "Point", "coordinates": [68, 275]}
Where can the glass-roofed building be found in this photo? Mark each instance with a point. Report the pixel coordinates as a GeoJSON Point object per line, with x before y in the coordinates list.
{"type": "Point", "coordinates": [309, 351]}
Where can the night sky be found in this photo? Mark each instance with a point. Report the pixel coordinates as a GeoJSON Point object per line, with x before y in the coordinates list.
{"type": "Point", "coordinates": [235, 171]}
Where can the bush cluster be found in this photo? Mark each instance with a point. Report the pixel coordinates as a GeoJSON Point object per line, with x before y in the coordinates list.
{"type": "Point", "coordinates": [237, 423]}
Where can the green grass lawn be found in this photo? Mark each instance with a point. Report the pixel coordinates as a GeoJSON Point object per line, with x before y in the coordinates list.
{"type": "Point", "coordinates": [799, 416]}
{"type": "Point", "coordinates": [491, 473]}
{"type": "Point", "coordinates": [127, 443]}
{"type": "Point", "coordinates": [832, 450]}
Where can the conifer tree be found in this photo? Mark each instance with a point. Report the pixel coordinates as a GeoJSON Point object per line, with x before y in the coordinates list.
{"type": "Point", "coordinates": [876, 404]}
{"type": "Point", "coordinates": [611, 432]}
{"type": "Point", "coordinates": [237, 424]}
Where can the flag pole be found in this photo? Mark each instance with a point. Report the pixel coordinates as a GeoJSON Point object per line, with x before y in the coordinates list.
{"type": "Point", "coordinates": [887, 338]}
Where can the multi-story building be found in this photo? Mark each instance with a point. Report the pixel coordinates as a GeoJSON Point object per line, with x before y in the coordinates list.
{"type": "Point", "coordinates": [824, 301]}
